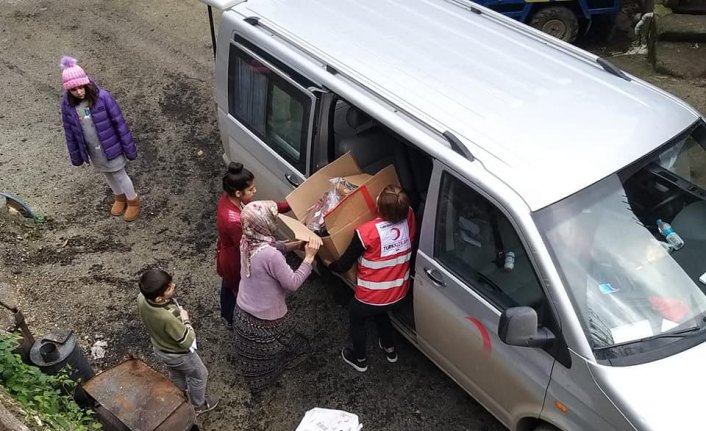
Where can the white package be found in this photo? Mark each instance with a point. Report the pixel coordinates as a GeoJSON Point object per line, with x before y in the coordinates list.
{"type": "Point", "coordinates": [318, 419]}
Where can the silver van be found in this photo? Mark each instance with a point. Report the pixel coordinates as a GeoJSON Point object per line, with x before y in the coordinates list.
{"type": "Point", "coordinates": [509, 143]}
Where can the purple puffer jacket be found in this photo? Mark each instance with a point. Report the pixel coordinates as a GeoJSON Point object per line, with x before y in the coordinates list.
{"type": "Point", "coordinates": [110, 125]}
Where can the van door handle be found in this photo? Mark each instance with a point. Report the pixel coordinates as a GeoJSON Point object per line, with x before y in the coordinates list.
{"type": "Point", "coordinates": [291, 180]}
{"type": "Point", "coordinates": [435, 276]}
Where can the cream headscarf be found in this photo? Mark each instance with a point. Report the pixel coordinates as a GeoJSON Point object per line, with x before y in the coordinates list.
{"type": "Point", "coordinates": [259, 222]}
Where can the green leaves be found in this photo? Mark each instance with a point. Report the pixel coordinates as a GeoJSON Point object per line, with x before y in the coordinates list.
{"type": "Point", "coordinates": [40, 395]}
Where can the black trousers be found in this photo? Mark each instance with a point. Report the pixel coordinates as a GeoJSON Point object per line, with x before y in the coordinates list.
{"type": "Point", "coordinates": [227, 302]}
{"type": "Point", "coordinates": [359, 315]}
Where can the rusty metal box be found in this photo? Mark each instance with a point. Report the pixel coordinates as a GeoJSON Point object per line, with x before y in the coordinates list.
{"type": "Point", "coordinates": [132, 396]}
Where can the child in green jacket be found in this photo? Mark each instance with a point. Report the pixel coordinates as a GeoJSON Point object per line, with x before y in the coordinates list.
{"type": "Point", "coordinates": [173, 338]}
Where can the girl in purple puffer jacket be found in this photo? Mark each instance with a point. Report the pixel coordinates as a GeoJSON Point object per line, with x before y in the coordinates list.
{"type": "Point", "coordinates": [96, 133]}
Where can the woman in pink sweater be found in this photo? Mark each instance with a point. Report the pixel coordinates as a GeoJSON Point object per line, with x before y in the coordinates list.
{"type": "Point", "coordinates": [266, 342]}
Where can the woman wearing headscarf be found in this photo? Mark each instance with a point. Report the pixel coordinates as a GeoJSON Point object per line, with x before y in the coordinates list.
{"type": "Point", "coordinates": [238, 191]}
{"type": "Point", "coordinates": [266, 342]}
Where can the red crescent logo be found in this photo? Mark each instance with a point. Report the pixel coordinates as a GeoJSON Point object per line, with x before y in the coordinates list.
{"type": "Point", "coordinates": [397, 233]}
{"type": "Point", "coordinates": [483, 333]}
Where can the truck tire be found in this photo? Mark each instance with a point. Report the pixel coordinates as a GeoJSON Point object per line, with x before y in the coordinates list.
{"type": "Point", "coordinates": [558, 21]}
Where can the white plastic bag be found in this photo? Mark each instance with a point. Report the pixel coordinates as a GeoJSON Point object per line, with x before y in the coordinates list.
{"type": "Point", "coordinates": [318, 419]}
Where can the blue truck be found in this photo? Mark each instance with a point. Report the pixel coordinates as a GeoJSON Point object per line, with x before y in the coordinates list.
{"type": "Point", "coordinates": [561, 19]}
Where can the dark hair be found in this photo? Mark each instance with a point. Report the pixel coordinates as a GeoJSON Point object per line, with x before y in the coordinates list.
{"type": "Point", "coordinates": [91, 95]}
{"type": "Point", "coordinates": [237, 178]}
{"type": "Point", "coordinates": [393, 204]}
{"type": "Point", "coordinates": [154, 282]}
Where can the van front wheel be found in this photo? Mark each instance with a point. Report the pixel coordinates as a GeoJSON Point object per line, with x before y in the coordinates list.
{"type": "Point", "coordinates": [558, 21]}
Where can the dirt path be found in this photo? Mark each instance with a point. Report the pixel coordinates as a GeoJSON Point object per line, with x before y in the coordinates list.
{"type": "Point", "coordinates": [78, 271]}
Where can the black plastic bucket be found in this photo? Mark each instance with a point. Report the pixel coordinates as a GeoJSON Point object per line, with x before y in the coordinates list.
{"type": "Point", "coordinates": [52, 353]}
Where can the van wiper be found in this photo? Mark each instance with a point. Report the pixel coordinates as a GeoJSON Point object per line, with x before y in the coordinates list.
{"type": "Point", "coordinates": [686, 332]}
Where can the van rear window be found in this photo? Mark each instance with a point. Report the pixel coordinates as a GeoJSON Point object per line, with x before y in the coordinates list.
{"type": "Point", "coordinates": [270, 106]}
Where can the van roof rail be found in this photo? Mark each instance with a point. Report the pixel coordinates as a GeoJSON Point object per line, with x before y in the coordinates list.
{"type": "Point", "coordinates": [612, 69]}
{"type": "Point", "coordinates": [252, 20]}
{"type": "Point", "coordinates": [457, 146]}
{"type": "Point", "coordinates": [467, 4]}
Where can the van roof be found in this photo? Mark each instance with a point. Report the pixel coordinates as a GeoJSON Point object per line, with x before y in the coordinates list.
{"type": "Point", "coordinates": [541, 115]}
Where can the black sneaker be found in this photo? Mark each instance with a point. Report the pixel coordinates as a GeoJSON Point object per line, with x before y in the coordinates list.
{"type": "Point", "coordinates": [359, 364]}
{"type": "Point", "coordinates": [206, 407]}
{"type": "Point", "coordinates": [390, 352]}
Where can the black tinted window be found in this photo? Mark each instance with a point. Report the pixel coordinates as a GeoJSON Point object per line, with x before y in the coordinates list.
{"type": "Point", "coordinates": [473, 239]}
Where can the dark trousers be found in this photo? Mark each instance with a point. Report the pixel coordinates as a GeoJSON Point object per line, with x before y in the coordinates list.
{"type": "Point", "coordinates": [359, 314]}
{"type": "Point", "coordinates": [228, 297]}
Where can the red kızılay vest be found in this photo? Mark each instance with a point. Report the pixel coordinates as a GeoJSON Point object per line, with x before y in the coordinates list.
{"type": "Point", "coordinates": [383, 269]}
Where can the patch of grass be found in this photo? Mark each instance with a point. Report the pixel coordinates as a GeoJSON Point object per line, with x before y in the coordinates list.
{"type": "Point", "coordinates": [42, 397]}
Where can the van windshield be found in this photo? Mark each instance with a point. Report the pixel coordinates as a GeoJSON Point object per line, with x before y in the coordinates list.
{"type": "Point", "coordinates": [636, 284]}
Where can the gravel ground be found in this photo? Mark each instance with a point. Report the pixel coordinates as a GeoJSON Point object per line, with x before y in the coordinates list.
{"type": "Point", "coordinates": [79, 269]}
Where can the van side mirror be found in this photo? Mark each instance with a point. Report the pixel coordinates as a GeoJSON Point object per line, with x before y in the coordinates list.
{"type": "Point", "coordinates": [518, 327]}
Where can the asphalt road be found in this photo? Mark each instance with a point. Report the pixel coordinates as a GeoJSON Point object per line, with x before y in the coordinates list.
{"type": "Point", "coordinates": [79, 270]}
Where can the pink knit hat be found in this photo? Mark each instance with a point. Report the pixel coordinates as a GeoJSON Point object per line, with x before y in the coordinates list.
{"type": "Point", "coordinates": [72, 74]}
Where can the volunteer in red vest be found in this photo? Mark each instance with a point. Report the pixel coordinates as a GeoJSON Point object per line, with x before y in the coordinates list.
{"type": "Point", "coordinates": [383, 249]}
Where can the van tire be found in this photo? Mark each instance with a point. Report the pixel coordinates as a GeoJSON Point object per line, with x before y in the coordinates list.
{"type": "Point", "coordinates": [558, 21]}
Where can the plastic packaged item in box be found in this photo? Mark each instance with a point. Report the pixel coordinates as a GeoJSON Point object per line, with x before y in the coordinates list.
{"type": "Point", "coordinates": [338, 189]}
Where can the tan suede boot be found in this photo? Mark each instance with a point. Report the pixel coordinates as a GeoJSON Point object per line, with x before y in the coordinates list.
{"type": "Point", "coordinates": [133, 209]}
{"type": "Point", "coordinates": [118, 205]}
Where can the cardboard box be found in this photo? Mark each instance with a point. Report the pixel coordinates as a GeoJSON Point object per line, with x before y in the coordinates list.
{"type": "Point", "coordinates": [352, 211]}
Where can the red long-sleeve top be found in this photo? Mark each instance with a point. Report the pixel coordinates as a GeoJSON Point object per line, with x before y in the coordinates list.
{"type": "Point", "coordinates": [228, 246]}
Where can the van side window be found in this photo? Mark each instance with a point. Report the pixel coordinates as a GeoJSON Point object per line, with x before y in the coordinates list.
{"type": "Point", "coordinates": [472, 240]}
{"type": "Point", "coordinates": [269, 106]}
